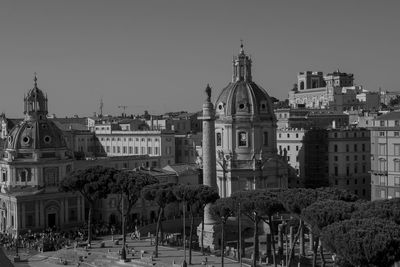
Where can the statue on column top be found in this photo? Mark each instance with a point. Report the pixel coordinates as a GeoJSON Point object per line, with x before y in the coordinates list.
{"type": "Point", "coordinates": [208, 92]}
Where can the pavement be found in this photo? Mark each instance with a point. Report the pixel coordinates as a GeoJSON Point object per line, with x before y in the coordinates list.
{"type": "Point", "coordinates": [108, 256]}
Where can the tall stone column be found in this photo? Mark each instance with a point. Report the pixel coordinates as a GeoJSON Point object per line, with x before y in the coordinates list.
{"type": "Point", "coordinates": [209, 152]}
{"type": "Point", "coordinates": [209, 169]}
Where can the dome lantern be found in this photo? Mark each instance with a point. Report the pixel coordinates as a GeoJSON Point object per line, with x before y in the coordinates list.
{"type": "Point", "coordinates": [241, 67]}
{"type": "Point", "coordinates": [35, 103]}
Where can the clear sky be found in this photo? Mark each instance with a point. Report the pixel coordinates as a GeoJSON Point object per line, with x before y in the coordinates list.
{"type": "Point", "coordinates": [160, 55]}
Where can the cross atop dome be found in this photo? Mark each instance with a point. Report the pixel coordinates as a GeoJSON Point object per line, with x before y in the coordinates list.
{"type": "Point", "coordinates": [35, 79]}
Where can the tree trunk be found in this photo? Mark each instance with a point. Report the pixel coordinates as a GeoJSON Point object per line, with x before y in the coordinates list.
{"type": "Point", "coordinates": [271, 226]}
{"type": "Point", "coordinates": [301, 245]}
{"type": "Point", "coordinates": [157, 231]}
{"type": "Point", "coordinates": [296, 237]}
{"type": "Point", "coordinates": [315, 251]}
{"type": "Point", "coordinates": [202, 234]}
{"type": "Point", "coordinates": [222, 242]}
{"type": "Point", "coordinates": [255, 251]}
{"type": "Point", "coordinates": [321, 253]}
{"type": "Point", "coordinates": [90, 224]}
{"type": "Point", "coordinates": [162, 228]}
{"type": "Point", "coordinates": [123, 251]}
{"type": "Point", "coordinates": [191, 236]}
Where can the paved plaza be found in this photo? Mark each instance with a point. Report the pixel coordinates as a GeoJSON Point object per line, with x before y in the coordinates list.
{"type": "Point", "coordinates": [109, 256]}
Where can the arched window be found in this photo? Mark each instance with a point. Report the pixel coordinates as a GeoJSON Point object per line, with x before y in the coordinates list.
{"type": "Point", "coordinates": [302, 85]}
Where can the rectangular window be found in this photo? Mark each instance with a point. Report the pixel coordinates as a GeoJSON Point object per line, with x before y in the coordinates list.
{"type": "Point", "coordinates": [364, 168]}
{"type": "Point", "coordinates": [297, 148]}
{"type": "Point", "coordinates": [397, 166]}
{"type": "Point", "coordinates": [382, 123]}
{"type": "Point", "coordinates": [363, 147]}
{"type": "Point", "coordinates": [130, 150]}
{"type": "Point", "coordinates": [336, 171]}
{"type": "Point", "coordinates": [336, 158]}
{"type": "Point", "coordinates": [136, 150]}
{"type": "Point", "coordinates": [355, 147]}
{"type": "Point", "coordinates": [347, 148]}
{"type": "Point", "coordinates": [108, 149]}
{"type": "Point", "coordinates": [118, 149]}
{"type": "Point", "coordinates": [396, 149]}
{"type": "Point", "coordinates": [381, 133]}
{"type": "Point", "coordinates": [4, 175]}
{"type": "Point", "coordinates": [143, 150]}
{"type": "Point", "coordinates": [382, 149]}
{"type": "Point", "coordinates": [396, 134]}
{"type": "Point", "coordinates": [383, 194]}
{"type": "Point", "coordinates": [113, 149]}
{"type": "Point", "coordinates": [397, 180]}
{"type": "Point", "coordinates": [355, 168]}
{"type": "Point", "coordinates": [156, 151]}
{"type": "Point", "coordinates": [382, 165]}
{"type": "Point", "coordinates": [219, 139]}
{"type": "Point", "coordinates": [382, 180]}
{"type": "Point", "coordinates": [124, 149]}
{"type": "Point", "coordinates": [149, 150]}
{"type": "Point", "coordinates": [265, 140]}
{"type": "Point", "coordinates": [242, 139]}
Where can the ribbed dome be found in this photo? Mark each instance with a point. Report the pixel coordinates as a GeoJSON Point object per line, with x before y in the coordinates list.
{"type": "Point", "coordinates": [241, 98]}
{"type": "Point", "coordinates": [35, 134]}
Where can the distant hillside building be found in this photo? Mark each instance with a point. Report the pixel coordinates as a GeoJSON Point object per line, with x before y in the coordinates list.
{"type": "Point", "coordinates": [302, 118]}
{"type": "Point", "coordinates": [335, 91]}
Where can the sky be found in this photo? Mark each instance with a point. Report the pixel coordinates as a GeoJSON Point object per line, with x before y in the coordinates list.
{"type": "Point", "coordinates": [160, 55]}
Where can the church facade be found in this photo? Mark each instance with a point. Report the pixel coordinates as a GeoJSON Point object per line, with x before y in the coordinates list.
{"type": "Point", "coordinates": [245, 135]}
{"type": "Point", "coordinates": [34, 160]}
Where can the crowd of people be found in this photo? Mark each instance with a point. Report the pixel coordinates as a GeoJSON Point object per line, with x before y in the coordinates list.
{"type": "Point", "coordinates": [53, 238]}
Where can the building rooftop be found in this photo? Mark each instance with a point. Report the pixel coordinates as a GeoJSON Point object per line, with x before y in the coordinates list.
{"type": "Point", "coordinates": [394, 115]}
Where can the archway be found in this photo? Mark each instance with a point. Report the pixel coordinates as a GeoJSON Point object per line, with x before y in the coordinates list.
{"type": "Point", "coordinates": [113, 219]}
{"type": "Point", "coordinates": [52, 211]}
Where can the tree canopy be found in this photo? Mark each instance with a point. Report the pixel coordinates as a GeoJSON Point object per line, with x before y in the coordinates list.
{"type": "Point", "coordinates": [323, 213]}
{"type": "Point", "coordinates": [384, 209]}
{"type": "Point", "coordinates": [364, 242]}
{"type": "Point", "coordinates": [93, 183]}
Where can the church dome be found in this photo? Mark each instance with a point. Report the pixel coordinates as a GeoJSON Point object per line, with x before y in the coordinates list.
{"type": "Point", "coordinates": [35, 134]}
{"type": "Point", "coordinates": [242, 96]}
{"type": "Point", "coordinates": [35, 131]}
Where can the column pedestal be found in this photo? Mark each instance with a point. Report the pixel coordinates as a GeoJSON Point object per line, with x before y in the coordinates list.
{"type": "Point", "coordinates": [212, 236]}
